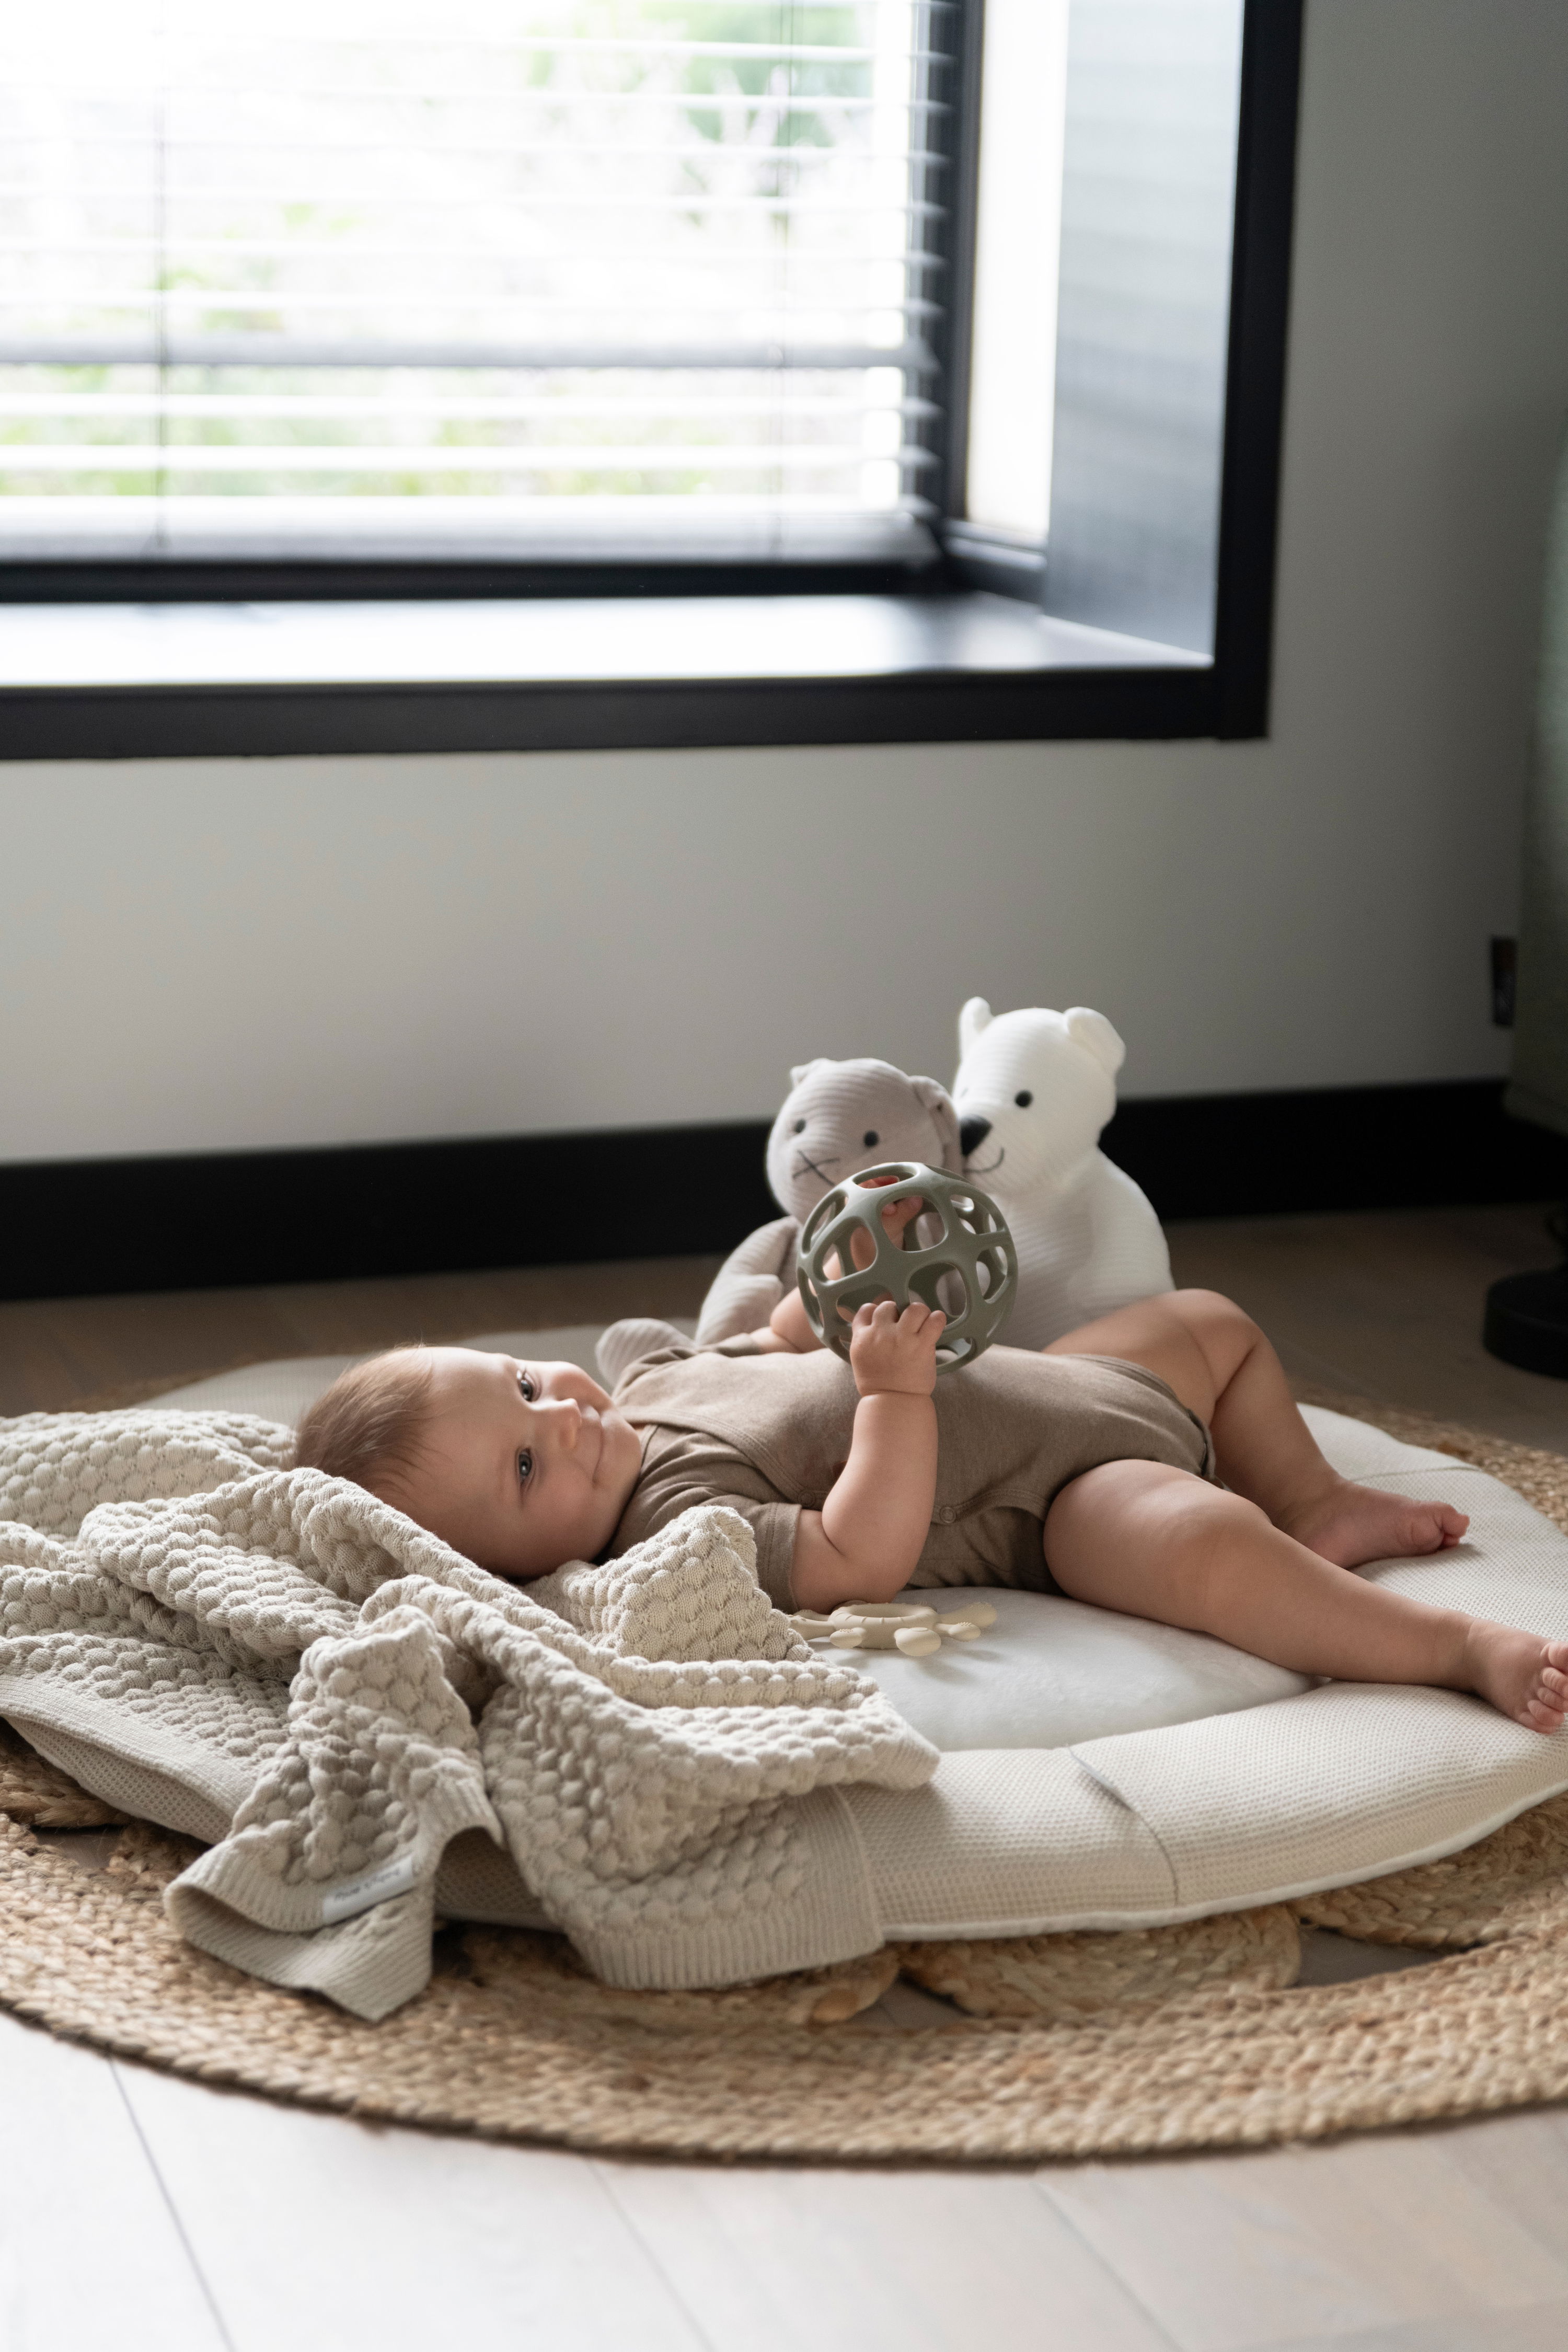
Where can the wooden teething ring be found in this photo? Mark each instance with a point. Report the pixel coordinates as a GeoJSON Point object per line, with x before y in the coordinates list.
{"type": "Point", "coordinates": [907, 1625]}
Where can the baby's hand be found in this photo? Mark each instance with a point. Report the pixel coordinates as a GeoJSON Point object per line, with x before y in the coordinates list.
{"type": "Point", "coordinates": [896, 1217]}
{"type": "Point", "coordinates": [892, 1354]}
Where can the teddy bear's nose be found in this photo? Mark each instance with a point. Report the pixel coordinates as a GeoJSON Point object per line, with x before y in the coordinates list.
{"type": "Point", "coordinates": [972, 1133]}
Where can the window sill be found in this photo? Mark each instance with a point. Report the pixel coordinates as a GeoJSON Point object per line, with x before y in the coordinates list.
{"type": "Point", "coordinates": [106, 681]}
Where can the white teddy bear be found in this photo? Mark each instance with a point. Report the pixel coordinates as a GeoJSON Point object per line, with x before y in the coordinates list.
{"type": "Point", "coordinates": [1033, 1089]}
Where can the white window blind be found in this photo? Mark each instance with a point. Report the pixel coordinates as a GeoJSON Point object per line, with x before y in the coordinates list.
{"type": "Point", "coordinates": [441, 278]}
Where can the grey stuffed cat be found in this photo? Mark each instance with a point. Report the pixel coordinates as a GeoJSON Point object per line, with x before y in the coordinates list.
{"type": "Point", "coordinates": [838, 1118]}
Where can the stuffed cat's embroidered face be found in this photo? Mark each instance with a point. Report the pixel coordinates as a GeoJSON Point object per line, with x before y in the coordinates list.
{"type": "Point", "coordinates": [840, 1117]}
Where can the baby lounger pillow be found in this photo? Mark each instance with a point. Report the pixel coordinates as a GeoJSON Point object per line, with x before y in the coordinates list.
{"type": "Point", "coordinates": [1102, 1772]}
{"type": "Point", "coordinates": [1050, 1672]}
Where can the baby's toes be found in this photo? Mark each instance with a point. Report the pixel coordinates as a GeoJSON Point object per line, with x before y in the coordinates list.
{"type": "Point", "coordinates": [1548, 1702]}
{"type": "Point", "coordinates": [1427, 1528]}
{"type": "Point", "coordinates": [1451, 1524]}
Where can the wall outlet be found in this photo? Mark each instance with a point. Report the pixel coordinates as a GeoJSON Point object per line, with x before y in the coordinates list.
{"type": "Point", "coordinates": [1505, 965]}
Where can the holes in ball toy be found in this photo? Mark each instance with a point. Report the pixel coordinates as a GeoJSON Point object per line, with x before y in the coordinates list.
{"type": "Point", "coordinates": [943, 1287]}
{"type": "Point", "coordinates": [928, 1231]}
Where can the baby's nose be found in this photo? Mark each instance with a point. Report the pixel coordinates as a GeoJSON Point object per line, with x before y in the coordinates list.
{"type": "Point", "coordinates": [568, 1415]}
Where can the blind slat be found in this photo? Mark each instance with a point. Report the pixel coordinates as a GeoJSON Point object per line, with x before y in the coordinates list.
{"type": "Point", "coordinates": [371, 352]}
{"type": "Point", "coordinates": [423, 458]}
{"type": "Point", "coordinates": [446, 407]}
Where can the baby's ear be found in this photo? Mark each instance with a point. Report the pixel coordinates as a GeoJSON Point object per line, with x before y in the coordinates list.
{"type": "Point", "coordinates": [1094, 1033]}
{"type": "Point", "coordinates": [803, 1070]}
{"type": "Point", "coordinates": [975, 1017]}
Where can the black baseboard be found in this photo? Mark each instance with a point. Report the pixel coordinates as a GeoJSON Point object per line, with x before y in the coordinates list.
{"type": "Point", "coordinates": [80, 1228]}
{"type": "Point", "coordinates": [76, 1228]}
{"type": "Point", "coordinates": [1412, 1147]}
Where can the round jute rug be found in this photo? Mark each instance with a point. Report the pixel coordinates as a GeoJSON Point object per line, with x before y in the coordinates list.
{"type": "Point", "coordinates": [1052, 2046]}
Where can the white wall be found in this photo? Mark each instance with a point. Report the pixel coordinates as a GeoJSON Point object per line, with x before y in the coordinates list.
{"type": "Point", "coordinates": [230, 953]}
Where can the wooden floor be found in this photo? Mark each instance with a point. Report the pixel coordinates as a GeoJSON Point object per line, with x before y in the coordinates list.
{"type": "Point", "coordinates": [141, 2212]}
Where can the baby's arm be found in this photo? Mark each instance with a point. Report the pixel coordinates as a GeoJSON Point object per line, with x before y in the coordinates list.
{"type": "Point", "coordinates": [865, 1541]}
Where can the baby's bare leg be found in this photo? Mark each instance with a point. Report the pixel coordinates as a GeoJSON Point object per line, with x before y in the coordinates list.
{"type": "Point", "coordinates": [1224, 1369]}
{"type": "Point", "coordinates": [1157, 1542]}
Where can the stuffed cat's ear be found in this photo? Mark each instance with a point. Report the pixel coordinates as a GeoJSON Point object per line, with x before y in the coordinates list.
{"type": "Point", "coordinates": [803, 1070]}
{"type": "Point", "coordinates": [944, 1118]}
{"type": "Point", "coordinates": [975, 1017]}
{"type": "Point", "coordinates": [1094, 1033]}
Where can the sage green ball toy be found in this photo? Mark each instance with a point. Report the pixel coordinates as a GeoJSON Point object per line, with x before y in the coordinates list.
{"type": "Point", "coordinates": [970, 1271]}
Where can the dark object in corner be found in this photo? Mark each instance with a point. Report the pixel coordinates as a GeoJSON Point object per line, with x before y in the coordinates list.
{"type": "Point", "coordinates": [1527, 1314]}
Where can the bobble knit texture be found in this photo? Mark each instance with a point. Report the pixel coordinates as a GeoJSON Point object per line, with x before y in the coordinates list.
{"type": "Point", "coordinates": [291, 1656]}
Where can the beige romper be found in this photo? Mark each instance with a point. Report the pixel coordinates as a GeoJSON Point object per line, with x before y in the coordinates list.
{"type": "Point", "coordinates": [769, 1435]}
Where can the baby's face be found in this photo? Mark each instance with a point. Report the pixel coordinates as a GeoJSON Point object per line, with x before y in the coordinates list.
{"type": "Point", "coordinates": [522, 1465]}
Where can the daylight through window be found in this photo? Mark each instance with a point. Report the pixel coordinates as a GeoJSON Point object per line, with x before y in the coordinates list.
{"type": "Point", "coordinates": [454, 278]}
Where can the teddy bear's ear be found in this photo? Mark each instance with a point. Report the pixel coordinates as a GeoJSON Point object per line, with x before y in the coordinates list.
{"type": "Point", "coordinates": [944, 1118]}
{"type": "Point", "coordinates": [1094, 1033]}
{"type": "Point", "coordinates": [803, 1070]}
{"type": "Point", "coordinates": [975, 1017]}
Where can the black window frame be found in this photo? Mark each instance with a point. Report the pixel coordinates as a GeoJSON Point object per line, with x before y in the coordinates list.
{"type": "Point", "coordinates": [1227, 698]}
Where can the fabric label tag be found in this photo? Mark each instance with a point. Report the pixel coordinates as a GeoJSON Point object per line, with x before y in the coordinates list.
{"type": "Point", "coordinates": [351, 1896]}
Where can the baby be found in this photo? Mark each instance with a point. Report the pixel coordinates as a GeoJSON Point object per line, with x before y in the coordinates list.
{"type": "Point", "coordinates": [1091, 1469]}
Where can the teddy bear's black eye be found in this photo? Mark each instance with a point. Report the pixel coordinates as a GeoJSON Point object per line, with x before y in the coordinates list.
{"type": "Point", "coordinates": [869, 1137]}
{"type": "Point", "coordinates": [1025, 1099]}
{"type": "Point", "coordinates": [800, 1127]}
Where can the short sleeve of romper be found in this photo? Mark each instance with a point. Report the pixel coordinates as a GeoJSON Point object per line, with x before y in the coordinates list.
{"type": "Point", "coordinates": [711, 1419]}
{"type": "Point", "coordinates": [768, 1435]}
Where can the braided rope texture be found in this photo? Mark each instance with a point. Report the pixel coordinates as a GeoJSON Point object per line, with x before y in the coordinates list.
{"type": "Point", "coordinates": [1071, 2045]}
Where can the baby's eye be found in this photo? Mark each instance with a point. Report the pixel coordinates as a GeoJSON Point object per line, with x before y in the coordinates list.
{"type": "Point", "coordinates": [528, 1386]}
{"type": "Point", "coordinates": [525, 1467]}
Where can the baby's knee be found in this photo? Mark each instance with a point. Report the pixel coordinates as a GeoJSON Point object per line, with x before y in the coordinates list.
{"type": "Point", "coordinates": [1209, 1314]}
{"type": "Point", "coordinates": [1209, 1537]}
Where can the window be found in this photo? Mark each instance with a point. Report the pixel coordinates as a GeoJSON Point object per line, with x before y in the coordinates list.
{"type": "Point", "coordinates": [640, 299]}
{"type": "Point", "coordinates": [582, 278]}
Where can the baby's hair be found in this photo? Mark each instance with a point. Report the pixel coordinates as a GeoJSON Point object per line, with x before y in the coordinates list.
{"type": "Point", "coordinates": [368, 1424]}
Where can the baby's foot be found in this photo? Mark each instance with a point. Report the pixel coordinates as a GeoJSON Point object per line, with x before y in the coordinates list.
{"type": "Point", "coordinates": [1524, 1677]}
{"type": "Point", "coordinates": [1351, 1523]}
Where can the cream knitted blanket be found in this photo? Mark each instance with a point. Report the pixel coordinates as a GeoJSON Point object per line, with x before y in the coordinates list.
{"type": "Point", "coordinates": [279, 1664]}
